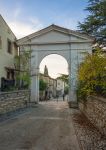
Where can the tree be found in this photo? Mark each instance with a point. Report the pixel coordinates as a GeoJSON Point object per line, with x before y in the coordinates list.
{"type": "Point", "coordinates": [46, 71]}
{"type": "Point", "coordinates": [92, 75]}
{"type": "Point", "coordinates": [64, 78]}
{"type": "Point", "coordinates": [42, 85]}
{"type": "Point", "coordinates": [95, 22]}
{"type": "Point", "coordinates": [66, 90]}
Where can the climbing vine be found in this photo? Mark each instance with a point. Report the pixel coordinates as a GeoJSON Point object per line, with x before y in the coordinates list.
{"type": "Point", "coordinates": [22, 64]}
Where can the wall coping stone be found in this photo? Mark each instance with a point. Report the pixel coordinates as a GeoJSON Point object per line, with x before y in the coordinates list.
{"type": "Point", "coordinates": [97, 98]}
{"type": "Point", "coordinates": [11, 92]}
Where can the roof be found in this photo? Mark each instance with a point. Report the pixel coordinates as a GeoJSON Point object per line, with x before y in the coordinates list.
{"type": "Point", "coordinates": [55, 27]}
{"type": "Point", "coordinates": [41, 74]}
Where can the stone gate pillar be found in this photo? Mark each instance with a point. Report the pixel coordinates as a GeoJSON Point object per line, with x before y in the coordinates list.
{"type": "Point", "coordinates": [73, 66]}
{"type": "Point", "coordinates": [35, 86]}
{"type": "Point", "coordinates": [34, 78]}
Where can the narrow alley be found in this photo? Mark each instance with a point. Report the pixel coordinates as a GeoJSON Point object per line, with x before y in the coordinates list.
{"type": "Point", "coordinates": [49, 125]}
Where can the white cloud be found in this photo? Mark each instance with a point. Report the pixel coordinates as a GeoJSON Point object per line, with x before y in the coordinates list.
{"type": "Point", "coordinates": [33, 20]}
{"type": "Point", "coordinates": [21, 26]}
{"type": "Point", "coordinates": [17, 12]}
{"type": "Point", "coordinates": [21, 29]}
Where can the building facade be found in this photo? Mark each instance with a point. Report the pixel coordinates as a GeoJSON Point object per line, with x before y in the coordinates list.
{"type": "Point", "coordinates": [8, 50]}
{"type": "Point", "coordinates": [51, 84]}
{"type": "Point", "coordinates": [60, 87]}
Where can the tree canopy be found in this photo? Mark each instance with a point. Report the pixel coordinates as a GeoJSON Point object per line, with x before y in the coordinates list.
{"type": "Point", "coordinates": [95, 23]}
{"type": "Point", "coordinates": [42, 85]}
{"type": "Point", "coordinates": [64, 78]}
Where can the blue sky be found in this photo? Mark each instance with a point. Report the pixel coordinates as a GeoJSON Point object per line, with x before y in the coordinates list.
{"type": "Point", "coordinates": [28, 16]}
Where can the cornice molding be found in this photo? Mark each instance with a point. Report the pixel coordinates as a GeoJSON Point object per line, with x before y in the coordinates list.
{"type": "Point", "coordinates": [55, 43]}
{"type": "Point", "coordinates": [54, 28]}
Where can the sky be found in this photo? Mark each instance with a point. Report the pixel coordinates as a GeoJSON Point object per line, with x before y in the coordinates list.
{"type": "Point", "coordinates": [55, 68]}
{"type": "Point", "coordinates": [27, 16]}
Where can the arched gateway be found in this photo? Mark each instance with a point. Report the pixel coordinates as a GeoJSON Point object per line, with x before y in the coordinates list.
{"type": "Point", "coordinates": [56, 40]}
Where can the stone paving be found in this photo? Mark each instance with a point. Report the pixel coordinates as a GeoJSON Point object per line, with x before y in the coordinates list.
{"type": "Point", "coordinates": [50, 126]}
{"type": "Point", "coordinates": [47, 126]}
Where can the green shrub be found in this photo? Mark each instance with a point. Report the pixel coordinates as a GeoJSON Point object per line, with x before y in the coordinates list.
{"type": "Point", "coordinates": [42, 85]}
{"type": "Point", "coordinates": [92, 75]}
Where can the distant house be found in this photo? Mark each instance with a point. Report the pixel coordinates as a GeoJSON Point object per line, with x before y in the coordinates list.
{"type": "Point", "coordinates": [60, 87]}
{"type": "Point", "coordinates": [51, 82]}
{"type": "Point", "coordinates": [52, 86]}
{"type": "Point", "coordinates": [8, 49]}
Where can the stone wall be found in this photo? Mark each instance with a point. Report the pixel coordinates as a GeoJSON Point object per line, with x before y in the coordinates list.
{"type": "Point", "coordinates": [95, 109]}
{"type": "Point", "coordinates": [11, 101]}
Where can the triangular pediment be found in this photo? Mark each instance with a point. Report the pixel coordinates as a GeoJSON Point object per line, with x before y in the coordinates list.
{"type": "Point", "coordinates": [53, 34]}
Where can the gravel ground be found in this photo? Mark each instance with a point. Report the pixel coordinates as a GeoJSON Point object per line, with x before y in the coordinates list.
{"type": "Point", "coordinates": [89, 136]}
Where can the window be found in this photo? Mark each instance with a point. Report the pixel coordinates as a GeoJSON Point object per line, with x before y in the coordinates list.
{"type": "Point", "coordinates": [0, 43]}
{"type": "Point", "coordinates": [9, 46]}
{"type": "Point", "coordinates": [15, 48]}
{"type": "Point", "coordinates": [10, 74]}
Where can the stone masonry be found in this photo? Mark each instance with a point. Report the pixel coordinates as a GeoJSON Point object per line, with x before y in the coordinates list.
{"type": "Point", "coordinates": [11, 101]}
{"type": "Point", "coordinates": [95, 110]}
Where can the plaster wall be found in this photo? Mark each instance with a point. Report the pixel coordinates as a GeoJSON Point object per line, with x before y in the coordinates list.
{"type": "Point", "coordinates": [6, 59]}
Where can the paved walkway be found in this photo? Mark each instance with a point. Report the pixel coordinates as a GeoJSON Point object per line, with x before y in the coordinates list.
{"type": "Point", "coordinates": [47, 126]}
{"type": "Point", "coordinates": [50, 125]}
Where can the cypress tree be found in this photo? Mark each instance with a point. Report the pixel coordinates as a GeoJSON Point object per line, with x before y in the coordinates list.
{"type": "Point", "coordinates": [46, 71]}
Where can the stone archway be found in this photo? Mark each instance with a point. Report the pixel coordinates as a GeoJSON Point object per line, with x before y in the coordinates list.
{"type": "Point", "coordinates": [51, 67]}
{"type": "Point", "coordinates": [56, 40]}
{"type": "Point", "coordinates": [39, 57]}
